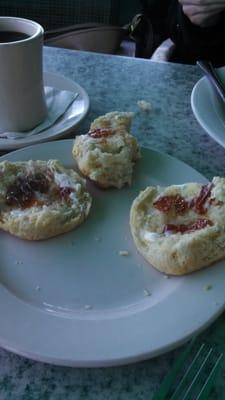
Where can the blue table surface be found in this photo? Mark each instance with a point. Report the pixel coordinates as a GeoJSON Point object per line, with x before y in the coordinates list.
{"type": "Point", "coordinates": [117, 83]}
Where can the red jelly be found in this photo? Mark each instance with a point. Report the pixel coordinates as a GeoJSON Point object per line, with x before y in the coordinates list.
{"type": "Point", "coordinates": [22, 192]}
{"type": "Point", "coordinates": [171, 203]}
{"type": "Point", "coordinates": [101, 133]}
{"type": "Point", "coordinates": [198, 204]}
{"type": "Point", "coordinates": [194, 226]}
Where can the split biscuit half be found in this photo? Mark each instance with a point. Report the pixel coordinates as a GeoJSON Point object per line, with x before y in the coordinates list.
{"type": "Point", "coordinates": [108, 152]}
{"type": "Point", "coordinates": [41, 199]}
{"type": "Point", "coordinates": [179, 229]}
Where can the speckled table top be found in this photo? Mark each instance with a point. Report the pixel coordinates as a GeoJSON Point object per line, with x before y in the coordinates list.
{"type": "Point", "coordinates": [117, 83]}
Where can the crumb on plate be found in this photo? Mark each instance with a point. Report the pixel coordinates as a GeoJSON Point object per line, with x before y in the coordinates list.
{"type": "Point", "coordinates": [147, 293]}
{"type": "Point", "coordinates": [208, 287]}
{"type": "Point", "coordinates": [88, 307]}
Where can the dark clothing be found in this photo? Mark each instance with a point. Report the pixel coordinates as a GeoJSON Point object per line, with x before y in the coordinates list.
{"type": "Point", "coordinates": [192, 42]}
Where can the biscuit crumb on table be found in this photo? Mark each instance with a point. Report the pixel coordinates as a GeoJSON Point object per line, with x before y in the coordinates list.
{"type": "Point", "coordinates": [144, 105]}
{"type": "Point", "coordinates": [123, 253]}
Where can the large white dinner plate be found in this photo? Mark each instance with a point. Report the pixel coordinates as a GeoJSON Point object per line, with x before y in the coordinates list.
{"type": "Point", "coordinates": [74, 300]}
{"type": "Point", "coordinates": [208, 109]}
{"type": "Point", "coordinates": [65, 124]}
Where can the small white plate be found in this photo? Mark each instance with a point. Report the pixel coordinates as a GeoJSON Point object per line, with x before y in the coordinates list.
{"type": "Point", "coordinates": [74, 300]}
{"type": "Point", "coordinates": [208, 110]}
{"type": "Point", "coordinates": [68, 122]}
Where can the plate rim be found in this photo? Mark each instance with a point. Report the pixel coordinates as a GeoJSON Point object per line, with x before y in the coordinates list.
{"type": "Point", "coordinates": [195, 92]}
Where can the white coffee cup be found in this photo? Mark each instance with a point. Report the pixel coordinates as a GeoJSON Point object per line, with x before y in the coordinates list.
{"type": "Point", "coordinates": [22, 99]}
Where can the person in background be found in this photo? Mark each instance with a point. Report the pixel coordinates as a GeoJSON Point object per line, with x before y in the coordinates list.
{"type": "Point", "coordinates": [196, 27]}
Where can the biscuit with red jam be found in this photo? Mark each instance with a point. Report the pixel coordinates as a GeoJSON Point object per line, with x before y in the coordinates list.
{"type": "Point", "coordinates": [108, 152]}
{"type": "Point", "coordinates": [41, 199]}
{"type": "Point", "coordinates": [180, 228]}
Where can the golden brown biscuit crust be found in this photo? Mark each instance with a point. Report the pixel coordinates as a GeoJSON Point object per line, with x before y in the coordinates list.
{"type": "Point", "coordinates": [107, 154]}
{"type": "Point", "coordinates": [187, 247]}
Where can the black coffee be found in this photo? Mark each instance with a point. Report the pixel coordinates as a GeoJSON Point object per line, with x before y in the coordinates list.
{"type": "Point", "coordinates": [10, 36]}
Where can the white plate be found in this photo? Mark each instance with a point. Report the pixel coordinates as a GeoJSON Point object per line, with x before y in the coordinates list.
{"type": "Point", "coordinates": [208, 110]}
{"type": "Point", "coordinates": [73, 300]}
{"type": "Point", "coordinates": [68, 122]}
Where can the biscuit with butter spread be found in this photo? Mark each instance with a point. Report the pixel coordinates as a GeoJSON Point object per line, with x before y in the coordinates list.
{"type": "Point", "coordinates": [41, 199]}
{"type": "Point", "coordinates": [180, 228]}
{"type": "Point", "coordinates": [107, 153]}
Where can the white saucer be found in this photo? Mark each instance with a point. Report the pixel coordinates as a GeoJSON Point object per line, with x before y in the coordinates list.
{"type": "Point", "coordinates": [208, 110]}
{"type": "Point", "coordinates": [70, 119]}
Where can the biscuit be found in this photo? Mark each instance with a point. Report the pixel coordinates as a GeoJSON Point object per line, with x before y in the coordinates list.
{"type": "Point", "coordinates": [179, 229]}
{"type": "Point", "coordinates": [108, 152]}
{"type": "Point", "coordinates": [41, 199]}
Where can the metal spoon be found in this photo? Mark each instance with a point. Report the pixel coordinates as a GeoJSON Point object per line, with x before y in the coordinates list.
{"type": "Point", "coordinates": [212, 75]}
